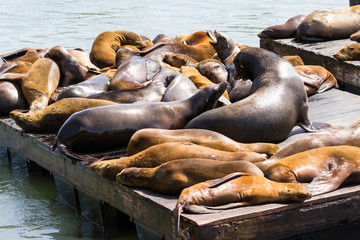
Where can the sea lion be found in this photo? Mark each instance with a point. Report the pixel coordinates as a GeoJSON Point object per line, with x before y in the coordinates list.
{"type": "Point", "coordinates": [286, 30]}
{"type": "Point", "coordinates": [83, 57]}
{"type": "Point", "coordinates": [91, 86]}
{"type": "Point", "coordinates": [295, 60]}
{"type": "Point", "coordinates": [71, 70]}
{"type": "Point", "coordinates": [240, 90]}
{"type": "Point", "coordinates": [277, 94]}
{"type": "Point", "coordinates": [168, 151]}
{"type": "Point", "coordinates": [172, 177]}
{"type": "Point", "coordinates": [329, 25]}
{"type": "Point", "coordinates": [180, 88]}
{"type": "Point", "coordinates": [148, 137]}
{"type": "Point", "coordinates": [11, 98]}
{"type": "Point", "coordinates": [13, 56]}
{"type": "Point", "coordinates": [21, 64]}
{"type": "Point", "coordinates": [325, 168]}
{"type": "Point", "coordinates": [316, 79]}
{"type": "Point", "coordinates": [199, 80]}
{"type": "Point", "coordinates": [107, 127]}
{"type": "Point", "coordinates": [52, 117]}
{"type": "Point", "coordinates": [135, 73]}
{"type": "Point", "coordinates": [213, 69]}
{"type": "Point", "coordinates": [179, 60]}
{"type": "Point", "coordinates": [153, 92]}
{"type": "Point", "coordinates": [348, 135]}
{"type": "Point", "coordinates": [355, 36]}
{"type": "Point", "coordinates": [105, 45]}
{"type": "Point", "coordinates": [350, 52]}
{"type": "Point", "coordinates": [38, 83]}
{"type": "Point", "coordinates": [246, 189]}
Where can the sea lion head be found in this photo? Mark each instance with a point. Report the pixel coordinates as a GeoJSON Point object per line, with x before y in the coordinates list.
{"type": "Point", "coordinates": [349, 52]}
{"type": "Point", "coordinates": [295, 192]}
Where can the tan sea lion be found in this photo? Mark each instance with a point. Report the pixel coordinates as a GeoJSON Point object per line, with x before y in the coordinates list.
{"type": "Point", "coordinates": [349, 135]}
{"type": "Point", "coordinates": [316, 78]}
{"type": "Point", "coordinates": [295, 60]}
{"type": "Point", "coordinates": [165, 152]}
{"type": "Point", "coordinates": [105, 45]}
{"type": "Point", "coordinates": [325, 169]}
{"type": "Point", "coordinates": [38, 83]}
{"type": "Point", "coordinates": [350, 52]}
{"type": "Point", "coordinates": [246, 189]}
{"type": "Point", "coordinates": [179, 60]}
{"type": "Point", "coordinates": [355, 36]}
{"type": "Point", "coordinates": [286, 30]}
{"type": "Point", "coordinates": [172, 177]}
{"type": "Point", "coordinates": [52, 117]}
{"type": "Point", "coordinates": [109, 127]}
{"type": "Point", "coordinates": [277, 103]}
{"type": "Point", "coordinates": [329, 25]}
{"type": "Point", "coordinates": [148, 137]}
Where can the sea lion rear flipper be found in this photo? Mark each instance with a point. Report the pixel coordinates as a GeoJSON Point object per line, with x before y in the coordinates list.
{"type": "Point", "coordinates": [315, 126]}
{"type": "Point", "coordinates": [227, 178]}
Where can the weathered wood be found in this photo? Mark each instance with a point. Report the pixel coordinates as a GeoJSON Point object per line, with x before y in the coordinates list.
{"type": "Point", "coordinates": [319, 54]}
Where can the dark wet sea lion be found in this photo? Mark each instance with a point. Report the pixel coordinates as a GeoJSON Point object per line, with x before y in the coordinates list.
{"type": "Point", "coordinates": [11, 98]}
{"type": "Point", "coordinates": [71, 70]}
{"type": "Point", "coordinates": [148, 137]}
{"type": "Point", "coordinates": [180, 88]}
{"type": "Point", "coordinates": [172, 177]}
{"type": "Point", "coordinates": [349, 135]}
{"type": "Point", "coordinates": [350, 52]}
{"type": "Point", "coordinates": [168, 151]}
{"type": "Point", "coordinates": [316, 78]}
{"type": "Point", "coordinates": [277, 94]}
{"type": "Point", "coordinates": [105, 45]}
{"type": "Point", "coordinates": [246, 189]}
{"type": "Point", "coordinates": [102, 128]}
{"type": "Point", "coordinates": [325, 169]}
{"type": "Point", "coordinates": [286, 30]}
{"type": "Point", "coordinates": [135, 73]}
{"type": "Point", "coordinates": [213, 69]}
{"type": "Point", "coordinates": [51, 118]}
{"type": "Point", "coordinates": [240, 90]}
{"type": "Point", "coordinates": [83, 57]}
{"type": "Point", "coordinates": [150, 93]}
{"type": "Point", "coordinates": [329, 25]}
{"type": "Point", "coordinates": [91, 86]}
{"type": "Point", "coordinates": [38, 83]}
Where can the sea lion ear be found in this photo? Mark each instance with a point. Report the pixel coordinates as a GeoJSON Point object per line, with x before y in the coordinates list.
{"type": "Point", "coordinates": [227, 178]}
{"type": "Point", "coordinates": [212, 36]}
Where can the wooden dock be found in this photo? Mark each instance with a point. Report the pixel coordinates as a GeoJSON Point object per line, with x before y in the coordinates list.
{"type": "Point", "coordinates": [266, 221]}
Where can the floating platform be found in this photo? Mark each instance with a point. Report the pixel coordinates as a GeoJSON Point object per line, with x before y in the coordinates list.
{"type": "Point", "coordinates": [153, 211]}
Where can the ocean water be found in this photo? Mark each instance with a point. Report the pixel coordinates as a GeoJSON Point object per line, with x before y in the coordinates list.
{"type": "Point", "coordinates": [30, 208]}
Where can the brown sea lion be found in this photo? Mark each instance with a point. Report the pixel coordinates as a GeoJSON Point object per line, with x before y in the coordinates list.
{"type": "Point", "coordinates": [52, 117]}
{"type": "Point", "coordinates": [355, 36]}
{"type": "Point", "coordinates": [71, 70]}
{"type": "Point", "coordinates": [21, 64]}
{"type": "Point", "coordinates": [13, 56]}
{"type": "Point", "coordinates": [172, 177]}
{"type": "Point", "coordinates": [179, 60]}
{"type": "Point", "coordinates": [350, 52]}
{"type": "Point", "coordinates": [91, 86]}
{"type": "Point", "coordinates": [213, 69]}
{"type": "Point", "coordinates": [11, 98]}
{"type": "Point", "coordinates": [103, 128]}
{"type": "Point", "coordinates": [348, 135]}
{"type": "Point", "coordinates": [83, 57]}
{"type": "Point", "coordinates": [246, 189]}
{"type": "Point", "coordinates": [329, 25]}
{"type": "Point", "coordinates": [148, 137]}
{"type": "Point", "coordinates": [199, 80]}
{"type": "Point", "coordinates": [316, 78]}
{"type": "Point", "coordinates": [325, 169]}
{"type": "Point", "coordinates": [38, 83]}
{"type": "Point", "coordinates": [295, 60]}
{"type": "Point", "coordinates": [105, 45]}
{"type": "Point", "coordinates": [277, 94]}
{"type": "Point", "coordinates": [286, 30]}
{"type": "Point", "coordinates": [168, 151]}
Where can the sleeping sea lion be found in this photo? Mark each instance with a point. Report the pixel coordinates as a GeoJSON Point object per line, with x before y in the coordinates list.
{"type": "Point", "coordinates": [172, 177]}
{"type": "Point", "coordinates": [325, 169]}
{"type": "Point", "coordinates": [350, 52]}
{"type": "Point", "coordinates": [286, 30]}
{"type": "Point", "coordinates": [148, 137]}
{"type": "Point", "coordinates": [168, 151]}
{"type": "Point", "coordinates": [11, 97]}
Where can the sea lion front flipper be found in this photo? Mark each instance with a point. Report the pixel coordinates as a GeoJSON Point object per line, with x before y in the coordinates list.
{"type": "Point", "coordinates": [330, 82]}
{"type": "Point", "coordinates": [200, 209]}
{"type": "Point", "coordinates": [227, 178]}
{"type": "Point", "coordinates": [328, 180]}
{"type": "Point", "coordinates": [227, 206]}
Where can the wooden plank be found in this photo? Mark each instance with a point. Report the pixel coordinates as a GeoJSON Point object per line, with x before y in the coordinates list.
{"type": "Point", "coordinates": [318, 54]}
